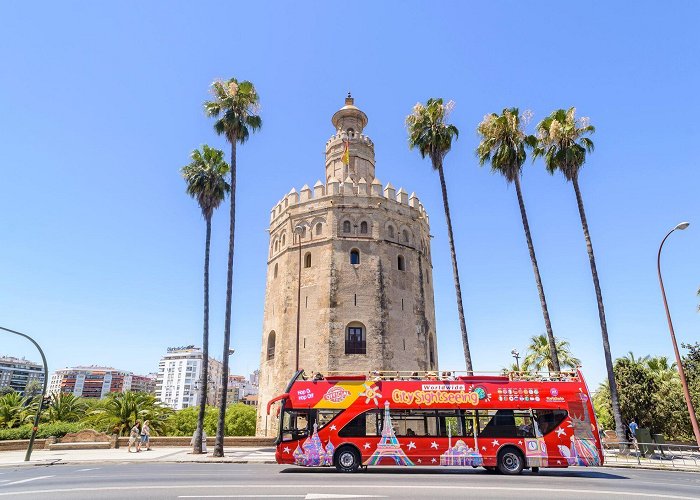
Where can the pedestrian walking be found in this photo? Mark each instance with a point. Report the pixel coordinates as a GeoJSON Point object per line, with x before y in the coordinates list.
{"type": "Point", "coordinates": [146, 435]}
{"type": "Point", "coordinates": [134, 437]}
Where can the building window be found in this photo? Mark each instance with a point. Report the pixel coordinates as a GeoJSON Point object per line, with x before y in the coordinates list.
{"type": "Point", "coordinates": [363, 227]}
{"type": "Point", "coordinates": [271, 345]}
{"type": "Point", "coordinates": [346, 226]}
{"type": "Point", "coordinates": [307, 259]}
{"type": "Point", "coordinates": [274, 273]}
{"type": "Point", "coordinates": [284, 239]}
{"type": "Point", "coordinates": [401, 263]}
{"type": "Point", "coordinates": [354, 256]}
{"type": "Point", "coordinates": [277, 246]}
{"type": "Point", "coordinates": [355, 342]}
{"type": "Point", "coordinates": [319, 229]}
{"type": "Point", "coordinates": [391, 232]}
{"type": "Point", "coordinates": [406, 239]}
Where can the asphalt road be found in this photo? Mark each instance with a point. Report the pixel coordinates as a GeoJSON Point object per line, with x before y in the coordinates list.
{"type": "Point", "coordinates": [191, 480]}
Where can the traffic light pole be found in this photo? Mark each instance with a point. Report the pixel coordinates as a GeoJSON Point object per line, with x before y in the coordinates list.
{"type": "Point", "coordinates": [35, 427]}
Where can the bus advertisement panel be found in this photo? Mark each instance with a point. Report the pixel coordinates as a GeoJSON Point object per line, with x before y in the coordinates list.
{"type": "Point", "coordinates": [504, 423]}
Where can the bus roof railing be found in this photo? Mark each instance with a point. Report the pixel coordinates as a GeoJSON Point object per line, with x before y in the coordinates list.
{"type": "Point", "coordinates": [407, 375]}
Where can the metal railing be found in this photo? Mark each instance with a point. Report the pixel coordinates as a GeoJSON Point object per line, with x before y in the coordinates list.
{"type": "Point", "coordinates": [651, 455]}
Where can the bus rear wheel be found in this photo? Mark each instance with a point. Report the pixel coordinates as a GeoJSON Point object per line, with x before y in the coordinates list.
{"type": "Point", "coordinates": [347, 459]}
{"type": "Point", "coordinates": [510, 461]}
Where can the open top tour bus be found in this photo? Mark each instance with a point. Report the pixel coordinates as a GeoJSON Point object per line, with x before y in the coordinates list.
{"type": "Point", "coordinates": [505, 423]}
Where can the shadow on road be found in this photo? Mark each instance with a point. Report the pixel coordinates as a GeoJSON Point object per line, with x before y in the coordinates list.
{"type": "Point", "coordinates": [583, 473]}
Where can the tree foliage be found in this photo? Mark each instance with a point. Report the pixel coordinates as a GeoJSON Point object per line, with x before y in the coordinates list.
{"type": "Point", "coordinates": [651, 394]}
{"type": "Point", "coordinates": [539, 358]}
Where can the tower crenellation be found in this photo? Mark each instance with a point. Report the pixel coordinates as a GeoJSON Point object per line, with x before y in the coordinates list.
{"type": "Point", "coordinates": [350, 260]}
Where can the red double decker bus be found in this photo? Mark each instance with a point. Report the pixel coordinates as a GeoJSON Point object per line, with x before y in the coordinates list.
{"type": "Point", "coordinates": [506, 423]}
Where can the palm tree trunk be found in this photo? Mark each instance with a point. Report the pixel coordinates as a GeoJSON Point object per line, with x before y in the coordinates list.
{"type": "Point", "coordinates": [219, 443]}
{"type": "Point", "coordinates": [455, 271]}
{"type": "Point", "coordinates": [203, 389]}
{"type": "Point", "coordinates": [538, 279]}
{"type": "Point", "coordinates": [614, 399]}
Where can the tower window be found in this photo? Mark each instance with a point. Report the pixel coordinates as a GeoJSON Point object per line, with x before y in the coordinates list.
{"type": "Point", "coordinates": [274, 274]}
{"type": "Point", "coordinates": [405, 236]}
{"type": "Point", "coordinates": [271, 345]}
{"type": "Point", "coordinates": [351, 132]}
{"type": "Point", "coordinates": [354, 256]}
{"type": "Point", "coordinates": [355, 341]}
{"type": "Point", "coordinates": [307, 259]}
{"type": "Point", "coordinates": [390, 231]}
{"type": "Point", "coordinates": [401, 263]}
{"type": "Point", "coordinates": [346, 226]}
{"type": "Point", "coordinates": [319, 229]}
{"type": "Point", "coordinates": [431, 351]}
{"type": "Point", "coordinates": [277, 246]}
{"type": "Point", "coordinates": [363, 227]}
{"type": "Point", "coordinates": [284, 239]}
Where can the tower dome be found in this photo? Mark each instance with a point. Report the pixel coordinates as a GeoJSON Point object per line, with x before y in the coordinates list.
{"type": "Point", "coordinates": [349, 153]}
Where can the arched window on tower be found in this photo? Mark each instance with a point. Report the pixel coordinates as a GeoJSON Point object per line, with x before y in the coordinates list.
{"type": "Point", "coordinates": [355, 339]}
{"type": "Point", "coordinates": [354, 256]}
{"type": "Point", "coordinates": [406, 238]}
{"type": "Point", "coordinates": [307, 259]}
{"type": "Point", "coordinates": [284, 239]}
{"type": "Point", "coordinates": [346, 226]}
{"type": "Point", "coordinates": [401, 264]}
{"type": "Point", "coordinates": [319, 229]}
{"type": "Point", "coordinates": [431, 351]}
{"type": "Point", "coordinates": [351, 133]}
{"type": "Point", "coordinates": [274, 274]}
{"type": "Point", "coordinates": [391, 232]}
{"type": "Point", "coordinates": [363, 227]}
{"type": "Point", "coordinates": [271, 345]}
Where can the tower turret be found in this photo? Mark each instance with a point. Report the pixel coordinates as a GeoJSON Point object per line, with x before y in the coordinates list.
{"type": "Point", "coordinates": [349, 122]}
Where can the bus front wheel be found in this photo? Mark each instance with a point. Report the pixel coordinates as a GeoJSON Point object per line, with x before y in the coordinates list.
{"type": "Point", "coordinates": [510, 461]}
{"type": "Point", "coordinates": [347, 459]}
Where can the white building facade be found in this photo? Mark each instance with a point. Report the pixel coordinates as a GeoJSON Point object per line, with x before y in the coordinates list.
{"type": "Point", "coordinates": [179, 373]}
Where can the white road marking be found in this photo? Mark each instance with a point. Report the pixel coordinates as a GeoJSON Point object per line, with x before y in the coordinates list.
{"type": "Point", "coordinates": [241, 496]}
{"type": "Point", "coordinates": [344, 486]}
{"type": "Point", "coordinates": [84, 470]}
{"type": "Point", "coordinates": [27, 480]}
{"type": "Point", "coordinates": [312, 496]}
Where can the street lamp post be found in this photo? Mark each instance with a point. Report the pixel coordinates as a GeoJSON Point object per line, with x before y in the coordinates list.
{"type": "Point", "coordinates": [298, 230]}
{"type": "Point", "coordinates": [679, 364]}
{"type": "Point", "coordinates": [516, 355]}
{"type": "Point", "coordinates": [35, 427]}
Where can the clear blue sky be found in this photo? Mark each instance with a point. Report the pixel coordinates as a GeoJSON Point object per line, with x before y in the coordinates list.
{"type": "Point", "coordinates": [100, 104]}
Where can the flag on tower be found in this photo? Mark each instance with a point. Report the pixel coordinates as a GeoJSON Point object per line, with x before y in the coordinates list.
{"type": "Point", "coordinates": [346, 154]}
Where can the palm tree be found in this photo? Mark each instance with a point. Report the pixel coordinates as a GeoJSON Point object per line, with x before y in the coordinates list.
{"type": "Point", "coordinates": [562, 142]}
{"type": "Point", "coordinates": [15, 410]}
{"type": "Point", "coordinates": [66, 407]}
{"type": "Point", "coordinates": [429, 131]}
{"type": "Point", "coordinates": [662, 369]}
{"type": "Point", "coordinates": [503, 143]}
{"type": "Point", "coordinates": [235, 105]}
{"type": "Point", "coordinates": [206, 182]}
{"type": "Point", "coordinates": [119, 411]}
{"type": "Point", "coordinates": [539, 355]}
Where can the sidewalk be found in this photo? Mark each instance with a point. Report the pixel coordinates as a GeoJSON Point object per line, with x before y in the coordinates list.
{"type": "Point", "coordinates": [163, 454]}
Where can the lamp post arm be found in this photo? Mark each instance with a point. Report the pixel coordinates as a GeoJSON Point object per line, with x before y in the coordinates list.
{"type": "Point", "coordinates": [41, 401]}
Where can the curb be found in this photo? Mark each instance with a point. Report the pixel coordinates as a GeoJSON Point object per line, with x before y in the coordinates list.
{"type": "Point", "coordinates": [83, 462]}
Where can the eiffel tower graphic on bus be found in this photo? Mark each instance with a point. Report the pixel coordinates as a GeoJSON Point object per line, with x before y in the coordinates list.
{"type": "Point", "coordinates": [388, 446]}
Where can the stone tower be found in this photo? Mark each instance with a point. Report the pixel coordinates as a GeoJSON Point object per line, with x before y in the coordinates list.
{"type": "Point", "coordinates": [357, 256]}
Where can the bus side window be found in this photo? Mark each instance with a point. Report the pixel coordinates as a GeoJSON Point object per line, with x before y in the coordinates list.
{"type": "Point", "coordinates": [548, 420]}
{"type": "Point", "coordinates": [506, 424]}
{"type": "Point", "coordinates": [364, 424]}
{"type": "Point", "coordinates": [295, 425]}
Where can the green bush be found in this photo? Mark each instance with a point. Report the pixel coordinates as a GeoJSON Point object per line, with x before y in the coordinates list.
{"type": "Point", "coordinates": [56, 429]}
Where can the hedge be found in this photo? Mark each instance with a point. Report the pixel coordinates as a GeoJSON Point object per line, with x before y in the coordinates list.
{"type": "Point", "coordinates": [57, 429]}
